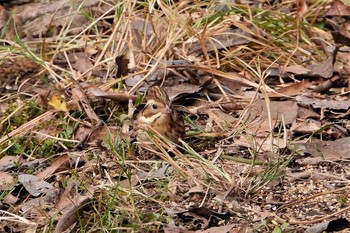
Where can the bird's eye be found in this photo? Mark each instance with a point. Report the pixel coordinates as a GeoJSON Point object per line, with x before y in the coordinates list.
{"type": "Point", "coordinates": [154, 106]}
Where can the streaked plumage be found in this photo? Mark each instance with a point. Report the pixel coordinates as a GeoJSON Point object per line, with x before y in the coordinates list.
{"type": "Point", "coordinates": [160, 115]}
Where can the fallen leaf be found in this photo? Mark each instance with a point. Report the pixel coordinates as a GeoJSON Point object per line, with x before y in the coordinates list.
{"type": "Point", "coordinates": [334, 104]}
{"type": "Point", "coordinates": [46, 16]}
{"type": "Point", "coordinates": [323, 69]}
{"type": "Point", "coordinates": [296, 69]}
{"type": "Point", "coordinates": [295, 176]}
{"type": "Point", "coordinates": [325, 151]}
{"type": "Point", "coordinates": [339, 8]}
{"type": "Point", "coordinates": [196, 189]}
{"type": "Point", "coordinates": [34, 185]}
{"type": "Point", "coordinates": [222, 39]}
{"type": "Point", "coordinates": [56, 164]}
{"type": "Point", "coordinates": [10, 199]}
{"type": "Point", "coordinates": [32, 228]}
{"type": "Point", "coordinates": [118, 97]}
{"type": "Point", "coordinates": [307, 113]}
{"type": "Point", "coordinates": [293, 89]}
{"type": "Point", "coordinates": [133, 80]}
{"type": "Point", "coordinates": [280, 111]}
{"type": "Point", "coordinates": [130, 182]}
{"type": "Point", "coordinates": [6, 181]}
{"type": "Point", "coordinates": [271, 144]}
{"type": "Point", "coordinates": [305, 127]}
{"type": "Point", "coordinates": [223, 120]}
{"type": "Point", "coordinates": [72, 215]}
{"type": "Point", "coordinates": [80, 62]}
{"type": "Point", "coordinates": [230, 228]}
{"type": "Point", "coordinates": [101, 133]}
{"type": "Point", "coordinates": [176, 91]}
{"type": "Point", "coordinates": [203, 216]}
{"type": "Point", "coordinates": [206, 213]}
{"type": "Point", "coordinates": [58, 103]}
{"type": "Point", "coordinates": [37, 205]}
{"type": "Point", "coordinates": [80, 97]}
{"type": "Point", "coordinates": [8, 162]}
{"type": "Point", "coordinates": [66, 198]}
{"type": "Point", "coordinates": [176, 230]}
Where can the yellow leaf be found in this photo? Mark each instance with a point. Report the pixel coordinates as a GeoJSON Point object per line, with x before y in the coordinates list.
{"type": "Point", "coordinates": [58, 103]}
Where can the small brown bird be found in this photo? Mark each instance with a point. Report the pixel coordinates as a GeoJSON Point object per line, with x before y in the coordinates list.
{"type": "Point", "coordinates": [159, 115]}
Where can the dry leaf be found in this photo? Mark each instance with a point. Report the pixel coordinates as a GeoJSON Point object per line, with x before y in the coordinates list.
{"type": "Point", "coordinates": [80, 62]}
{"type": "Point", "coordinates": [80, 97]}
{"type": "Point", "coordinates": [283, 111]}
{"type": "Point", "coordinates": [56, 164]}
{"type": "Point", "coordinates": [223, 120]}
{"type": "Point", "coordinates": [230, 228]}
{"type": "Point", "coordinates": [44, 16]}
{"type": "Point", "coordinates": [325, 151]}
{"type": "Point", "coordinates": [223, 39]}
{"type": "Point", "coordinates": [32, 228]}
{"type": "Point", "coordinates": [133, 80]}
{"type": "Point", "coordinates": [101, 133]}
{"type": "Point", "coordinates": [203, 216]}
{"type": "Point", "coordinates": [66, 198]}
{"type": "Point", "coordinates": [118, 97]}
{"type": "Point", "coordinates": [6, 181]}
{"type": "Point", "coordinates": [34, 185]}
{"type": "Point", "coordinates": [10, 199]}
{"type": "Point", "coordinates": [305, 127]}
{"type": "Point", "coordinates": [176, 91]}
{"type": "Point", "coordinates": [339, 8]}
{"type": "Point", "coordinates": [130, 182]}
{"type": "Point", "coordinates": [296, 69]}
{"type": "Point", "coordinates": [8, 162]}
{"type": "Point", "coordinates": [340, 104]}
{"type": "Point", "coordinates": [58, 103]}
{"type": "Point", "coordinates": [71, 216]}
{"type": "Point", "coordinates": [37, 205]}
{"type": "Point", "coordinates": [293, 89]}
{"type": "Point", "coordinates": [323, 69]}
{"type": "Point", "coordinates": [172, 229]}
{"type": "Point", "coordinates": [307, 113]}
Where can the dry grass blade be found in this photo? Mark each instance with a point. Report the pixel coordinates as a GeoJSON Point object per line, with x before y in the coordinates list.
{"type": "Point", "coordinates": [226, 62]}
{"type": "Point", "coordinates": [15, 218]}
{"type": "Point", "coordinates": [27, 127]}
{"type": "Point", "coordinates": [230, 76]}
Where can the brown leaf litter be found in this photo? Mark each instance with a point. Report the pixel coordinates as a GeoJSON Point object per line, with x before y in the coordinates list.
{"type": "Point", "coordinates": [266, 119]}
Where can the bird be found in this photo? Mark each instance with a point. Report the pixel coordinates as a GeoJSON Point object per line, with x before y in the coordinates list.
{"type": "Point", "coordinates": [159, 115]}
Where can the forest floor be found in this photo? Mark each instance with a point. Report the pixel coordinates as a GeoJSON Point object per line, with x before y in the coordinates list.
{"type": "Point", "coordinates": [263, 87]}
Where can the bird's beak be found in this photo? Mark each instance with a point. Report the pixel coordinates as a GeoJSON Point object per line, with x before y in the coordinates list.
{"type": "Point", "coordinates": [166, 110]}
